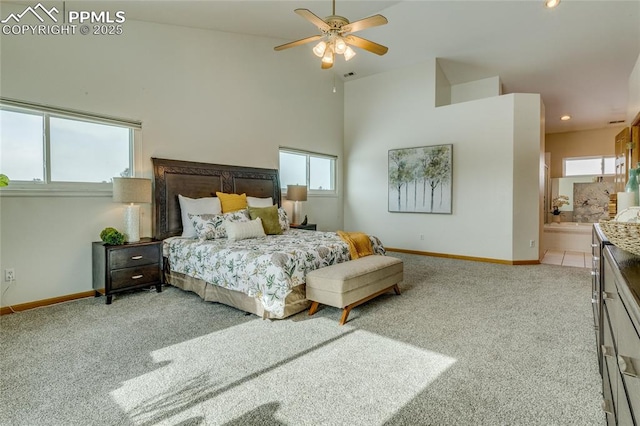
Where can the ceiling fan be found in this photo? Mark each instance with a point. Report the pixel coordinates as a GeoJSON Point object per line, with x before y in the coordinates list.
{"type": "Point", "coordinates": [337, 37]}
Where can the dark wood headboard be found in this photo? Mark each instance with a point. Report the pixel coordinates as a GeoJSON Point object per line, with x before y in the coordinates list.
{"type": "Point", "coordinates": [197, 180]}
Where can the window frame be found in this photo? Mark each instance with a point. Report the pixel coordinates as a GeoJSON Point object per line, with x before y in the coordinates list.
{"type": "Point", "coordinates": [308, 154]}
{"type": "Point", "coordinates": [60, 188]}
{"type": "Point", "coordinates": [590, 157]}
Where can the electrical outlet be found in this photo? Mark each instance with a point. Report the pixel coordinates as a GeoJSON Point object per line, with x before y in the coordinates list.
{"type": "Point", "coordinates": [532, 243]}
{"type": "Point", "coordinates": [9, 274]}
{"type": "Point", "coordinates": [421, 237]}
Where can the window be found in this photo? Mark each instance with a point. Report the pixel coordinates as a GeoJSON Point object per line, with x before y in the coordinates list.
{"type": "Point", "coordinates": [44, 147]}
{"type": "Point", "coordinates": [589, 166]}
{"type": "Point", "coordinates": [316, 171]}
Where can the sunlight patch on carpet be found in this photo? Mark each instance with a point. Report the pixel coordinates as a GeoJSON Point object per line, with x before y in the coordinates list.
{"type": "Point", "coordinates": [270, 370]}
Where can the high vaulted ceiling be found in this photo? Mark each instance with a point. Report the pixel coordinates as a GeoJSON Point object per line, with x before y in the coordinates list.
{"type": "Point", "coordinates": [578, 56]}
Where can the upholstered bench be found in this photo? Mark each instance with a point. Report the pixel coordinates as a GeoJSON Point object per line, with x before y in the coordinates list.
{"type": "Point", "coordinates": [349, 284]}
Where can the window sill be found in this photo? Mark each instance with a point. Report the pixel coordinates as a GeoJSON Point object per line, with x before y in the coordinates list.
{"type": "Point", "coordinates": [18, 191]}
{"type": "Point", "coordinates": [328, 194]}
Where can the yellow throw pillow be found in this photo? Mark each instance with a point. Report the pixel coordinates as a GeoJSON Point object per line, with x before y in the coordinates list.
{"type": "Point", "coordinates": [232, 202]}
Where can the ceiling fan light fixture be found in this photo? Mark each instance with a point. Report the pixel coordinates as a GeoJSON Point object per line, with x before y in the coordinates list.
{"type": "Point", "coordinates": [340, 46]}
{"type": "Point", "coordinates": [565, 117]}
{"type": "Point", "coordinates": [328, 55]}
{"type": "Point", "coordinates": [336, 36]}
{"type": "Point", "coordinates": [551, 3]}
{"type": "Point", "coordinates": [349, 53]}
{"type": "Point", "coordinates": [319, 49]}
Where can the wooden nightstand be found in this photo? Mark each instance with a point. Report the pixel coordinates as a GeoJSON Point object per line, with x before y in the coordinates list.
{"type": "Point", "coordinates": [308, 227]}
{"type": "Point", "coordinates": [127, 266]}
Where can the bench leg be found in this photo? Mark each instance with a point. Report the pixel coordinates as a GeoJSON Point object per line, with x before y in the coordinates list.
{"type": "Point", "coordinates": [347, 309]}
{"type": "Point", "coordinates": [345, 314]}
{"type": "Point", "coordinates": [313, 308]}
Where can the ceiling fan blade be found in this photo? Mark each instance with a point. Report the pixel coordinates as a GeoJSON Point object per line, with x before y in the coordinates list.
{"type": "Point", "coordinates": [372, 21]}
{"type": "Point", "coordinates": [314, 19]}
{"type": "Point", "coordinates": [367, 45]}
{"type": "Point", "coordinates": [298, 42]}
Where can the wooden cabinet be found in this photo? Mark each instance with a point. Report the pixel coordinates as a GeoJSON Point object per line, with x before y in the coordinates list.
{"type": "Point", "coordinates": [620, 347]}
{"type": "Point", "coordinates": [125, 267]}
{"type": "Point", "coordinates": [598, 242]}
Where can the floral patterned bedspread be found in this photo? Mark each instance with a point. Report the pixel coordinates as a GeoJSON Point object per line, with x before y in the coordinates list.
{"type": "Point", "coordinates": [266, 268]}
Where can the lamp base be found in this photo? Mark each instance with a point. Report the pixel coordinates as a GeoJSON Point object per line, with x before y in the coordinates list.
{"type": "Point", "coordinates": [296, 212]}
{"type": "Point", "coordinates": [132, 223]}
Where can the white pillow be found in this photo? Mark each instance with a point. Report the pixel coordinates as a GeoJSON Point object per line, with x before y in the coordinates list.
{"type": "Point", "coordinates": [243, 230]}
{"type": "Point", "coordinates": [207, 205]}
{"type": "Point", "coordinates": [211, 226]}
{"type": "Point", "coordinates": [259, 202]}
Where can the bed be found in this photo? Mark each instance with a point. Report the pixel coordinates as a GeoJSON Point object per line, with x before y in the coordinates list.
{"type": "Point", "coordinates": [263, 276]}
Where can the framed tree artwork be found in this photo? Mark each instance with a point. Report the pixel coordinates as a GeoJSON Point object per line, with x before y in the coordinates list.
{"type": "Point", "coordinates": [420, 179]}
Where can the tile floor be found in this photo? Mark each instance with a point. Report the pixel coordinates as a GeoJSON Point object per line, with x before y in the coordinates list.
{"type": "Point", "coordinates": [567, 258]}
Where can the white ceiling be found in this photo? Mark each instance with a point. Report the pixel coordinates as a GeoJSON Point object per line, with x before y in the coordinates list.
{"type": "Point", "coordinates": [578, 56]}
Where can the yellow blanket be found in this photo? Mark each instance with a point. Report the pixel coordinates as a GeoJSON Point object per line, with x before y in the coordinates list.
{"type": "Point", "coordinates": [359, 243]}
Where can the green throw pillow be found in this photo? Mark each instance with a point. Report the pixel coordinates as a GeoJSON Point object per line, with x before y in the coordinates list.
{"type": "Point", "coordinates": [269, 216]}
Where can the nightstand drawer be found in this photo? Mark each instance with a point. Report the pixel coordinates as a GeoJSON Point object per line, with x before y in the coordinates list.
{"type": "Point", "coordinates": [129, 277]}
{"type": "Point", "coordinates": [134, 256]}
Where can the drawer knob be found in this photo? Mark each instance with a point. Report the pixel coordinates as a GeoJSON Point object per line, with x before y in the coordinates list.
{"type": "Point", "coordinates": [607, 296]}
{"type": "Point", "coordinates": [626, 366]}
{"type": "Point", "coordinates": [136, 257]}
{"type": "Point", "coordinates": [606, 406]}
{"type": "Point", "coordinates": [594, 245]}
{"type": "Point", "coordinates": [596, 258]}
{"type": "Point", "coordinates": [594, 273]}
{"type": "Point", "coordinates": [136, 277]}
{"type": "Point", "coordinates": [606, 350]}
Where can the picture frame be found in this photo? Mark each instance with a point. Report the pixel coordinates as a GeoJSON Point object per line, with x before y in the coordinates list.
{"type": "Point", "coordinates": [420, 179]}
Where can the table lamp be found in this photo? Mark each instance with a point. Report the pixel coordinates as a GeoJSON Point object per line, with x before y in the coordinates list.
{"type": "Point", "coordinates": [131, 190]}
{"type": "Point", "coordinates": [296, 193]}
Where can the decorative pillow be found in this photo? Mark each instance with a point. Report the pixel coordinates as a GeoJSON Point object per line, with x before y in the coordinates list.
{"type": "Point", "coordinates": [243, 230]}
{"type": "Point", "coordinates": [207, 205]}
{"type": "Point", "coordinates": [283, 219]}
{"type": "Point", "coordinates": [232, 202]}
{"type": "Point", "coordinates": [211, 226]}
{"type": "Point", "coordinates": [259, 202]}
{"type": "Point", "coordinates": [270, 218]}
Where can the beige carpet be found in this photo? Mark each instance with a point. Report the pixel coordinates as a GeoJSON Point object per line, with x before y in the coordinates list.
{"type": "Point", "coordinates": [467, 343]}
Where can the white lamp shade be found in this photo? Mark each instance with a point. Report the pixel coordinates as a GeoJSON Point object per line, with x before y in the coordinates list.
{"type": "Point", "coordinates": [131, 190]}
{"type": "Point", "coordinates": [319, 49]}
{"type": "Point", "coordinates": [349, 53]}
{"type": "Point", "coordinates": [328, 55]}
{"type": "Point", "coordinates": [340, 46]}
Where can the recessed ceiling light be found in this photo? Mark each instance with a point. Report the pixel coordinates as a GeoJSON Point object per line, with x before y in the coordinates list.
{"type": "Point", "coordinates": [565, 117]}
{"type": "Point", "coordinates": [551, 3]}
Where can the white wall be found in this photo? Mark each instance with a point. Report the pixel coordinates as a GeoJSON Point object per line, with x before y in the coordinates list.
{"type": "Point", "coordinates": [496, 165]}
{"type": "Point", "coordinates": [447, 93]}
{"type": "Point", "coordinates": [201, 95]}
{"type": "Point", "coordinates": [443, 87]}
{"type": "Point", "coordinates": [473, 90]}
{"type": "Point", "coordinates": [634, 92]}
